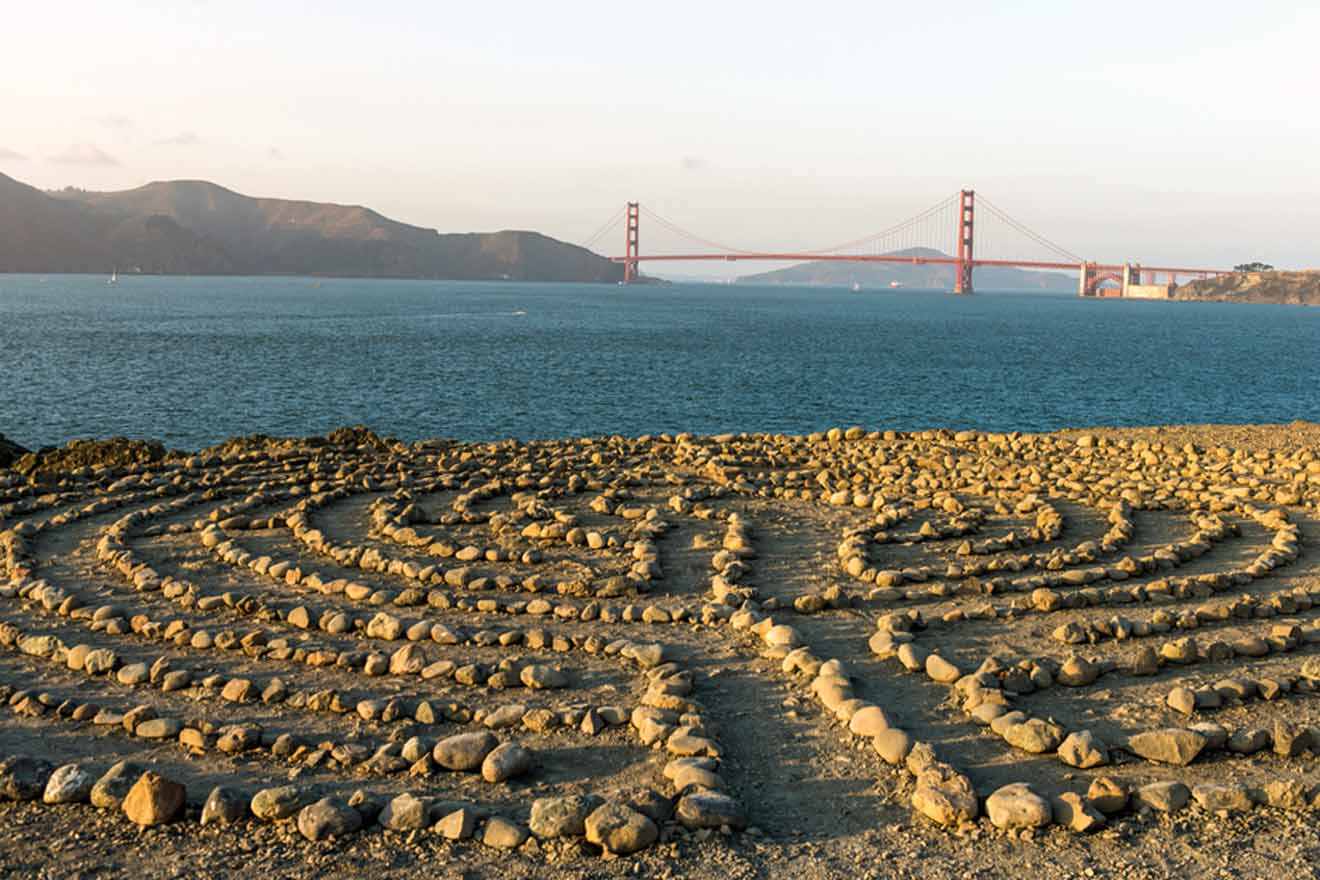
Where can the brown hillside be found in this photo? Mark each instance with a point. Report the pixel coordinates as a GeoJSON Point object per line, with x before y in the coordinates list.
{"type": "Point", "coordinates": [197, 227]}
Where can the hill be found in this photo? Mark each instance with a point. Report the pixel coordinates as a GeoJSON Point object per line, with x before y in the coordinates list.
{"type": "Point", "coordinates": [925, 277]}
{"type": "Point", "coordinates": [1288, 288]}
{"type": "Point", "coordinates": [197, 227]}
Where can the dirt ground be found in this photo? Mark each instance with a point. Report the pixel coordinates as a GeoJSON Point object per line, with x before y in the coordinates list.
{"type": "Point", "coordinates": [613, 544]}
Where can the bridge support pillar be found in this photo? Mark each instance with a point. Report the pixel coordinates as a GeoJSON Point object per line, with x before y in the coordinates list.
{"type": "Point", "coordinates": [962, 282]}
{"type": "Point", "coordinates": [631, 247]}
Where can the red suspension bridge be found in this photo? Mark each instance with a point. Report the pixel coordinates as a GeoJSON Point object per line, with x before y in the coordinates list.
{"type": "Point", "coordinates": [945, 234]}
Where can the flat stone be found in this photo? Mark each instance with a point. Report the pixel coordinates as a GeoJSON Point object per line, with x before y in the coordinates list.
{"type": "Point", "coordinates": [1163, 797]}
{"type": "Point", "coordinates": [705, 809]}
{"type": "Point", "coordinates": [1171, 746]}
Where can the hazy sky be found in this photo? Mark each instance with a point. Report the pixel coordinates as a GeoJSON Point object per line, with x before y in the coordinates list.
{"type": "Point", "coordinates": [1155, 130]}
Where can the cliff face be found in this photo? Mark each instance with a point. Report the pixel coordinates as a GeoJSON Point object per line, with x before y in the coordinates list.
{"type": "Point", "coordinates": [196, 227]}
{"type": "Point", "coordinates": [1288, 288]}
{"type": "Point", "coordinates": [925, 277]}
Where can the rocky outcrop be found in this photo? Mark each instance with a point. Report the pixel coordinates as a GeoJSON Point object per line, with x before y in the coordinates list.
{"type": "Point", "coordinates": [10, 452]}
{"type": "Point", "coordinates": [1283, 288]}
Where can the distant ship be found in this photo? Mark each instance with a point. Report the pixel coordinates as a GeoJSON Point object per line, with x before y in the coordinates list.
{"type": "Point", "coordinates": [114, 277]}
{"type": "Point", "coordinates": [896, 284]}
{"type": "Point", "coordinates": [856, 287]}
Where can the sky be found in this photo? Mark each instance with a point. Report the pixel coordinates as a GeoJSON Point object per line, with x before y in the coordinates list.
{"type": "Point", "coordinates": [1162, 131]}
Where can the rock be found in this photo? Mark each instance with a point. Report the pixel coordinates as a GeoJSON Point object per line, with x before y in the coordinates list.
{"type": "Point", "coordinates": [1017, 806]}
{"type": "Point", "coordinates": [110, 790]}
{"type": "Point", "coordinates": [1171, 746]}
{"type": "Point", "coordinates": [23, 778]}
{"type": "Point", "coordinates": [868, 721]}
{"type": "Point", "coordinates": [1228, 798]}
{"type": "Point", "coordinates": [501, 833]}
{"type": "Point", "coordinates": [506, 761]}
{"type": "Point", "coordinates": [1182, 699]}
{"type": "Point", "coordinates": [328, 817]}
{"type": "Point", "coordinates": [70, 784]}
{"type": "Point", "coordinates": [1073, 812]}
{"type": "Point", "coordinates": [1082, 749]}
{"type": "Point", "coordinates": [562, 816]}
{"type": "Point", "coordinates": [384, 626]}
{"type": "Point", "coordinates": [153, 800]}
{"type": "Point", "coordinates": [1248, 741]}
{"type": "Point", "coordinates": [1163, 797]}
{"type": "Point", "coordinates": [224, 806]}
{"type": "Point", "coordinates": [405, 812]}
{"type": "Point", "coordinates": [941, 670]}
{"type": "Point", "coordinates": [1107, 795]}
{"type": "Point", "coordinates": [620, 829]}
{"type": "Point", "coordinates": [1077, 672]}
{"type": "Point", "coordinates": [541, 677]}
{"type": "Point", "coordinates": [1035, 735]}
{"type": "Point", "coordinates": [457, 824]}
{"type": "Point", "coordinates": [464, 751]}
{"type": "Point", "coordinates": [892, 745]}
{"type": "Point", "coordinates": [1291, 740]}
{"type": "Point", "coordinates": [945, 796]}
{"type": "Point", "coordinates": [706, 809]}
{"type": "Point", "coordinates": [158, 728]}
{"type": "Point", "coordinates": [411, 659]}
{"type": "Point", "coordinates": [276, 804]}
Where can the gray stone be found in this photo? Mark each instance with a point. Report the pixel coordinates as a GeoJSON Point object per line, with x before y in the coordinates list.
{"type": "Point", "coordinates": [328, 817]}
{"type": "Point", "coordinates": [406, 812]}
{"type": "Point", "coordinates": [224, 806]}
{"type": "Point", "coordinates": [23, 778]}
{"type": "Point", "coordinates": [705, 809]}
{"type": "Point", "coordinates": [111, 789]}
{"type": "Point", "coordinates": [464, 751]}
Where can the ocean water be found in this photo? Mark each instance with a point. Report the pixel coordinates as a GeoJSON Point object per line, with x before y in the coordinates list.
{"type": "Point", "coordinates": [193, 360]}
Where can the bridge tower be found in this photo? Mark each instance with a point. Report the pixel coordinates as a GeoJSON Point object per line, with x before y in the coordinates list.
{"type": "Point", "coordinates": [966, 215]}
{"type": "Point", "coordinates": [631, 231]}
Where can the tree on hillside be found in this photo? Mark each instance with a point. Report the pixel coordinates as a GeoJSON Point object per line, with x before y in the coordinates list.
{"type": "Point", "coordinates": [1253, 267]}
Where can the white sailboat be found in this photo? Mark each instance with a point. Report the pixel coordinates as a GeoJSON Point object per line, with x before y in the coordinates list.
{"type": "Point", "coordinates": [114, 277]}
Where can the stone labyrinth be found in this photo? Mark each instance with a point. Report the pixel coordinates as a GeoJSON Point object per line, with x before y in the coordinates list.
{"type": "Point", "coordinates": [533, 645]}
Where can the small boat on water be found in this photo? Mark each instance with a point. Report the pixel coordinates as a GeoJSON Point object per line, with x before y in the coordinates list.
{"type": "Point", "coordinates": [114, 277]}
{"type": "Point", "coordinates": [856, 287]}
{"type": "Point", "coordinates": [896, 284]}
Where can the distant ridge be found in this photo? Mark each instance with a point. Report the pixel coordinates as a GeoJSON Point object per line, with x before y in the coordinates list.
{"type": "Point", "coordinates": [198, 227]}
{"type": "Point", "coordinates": [924, 277]}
